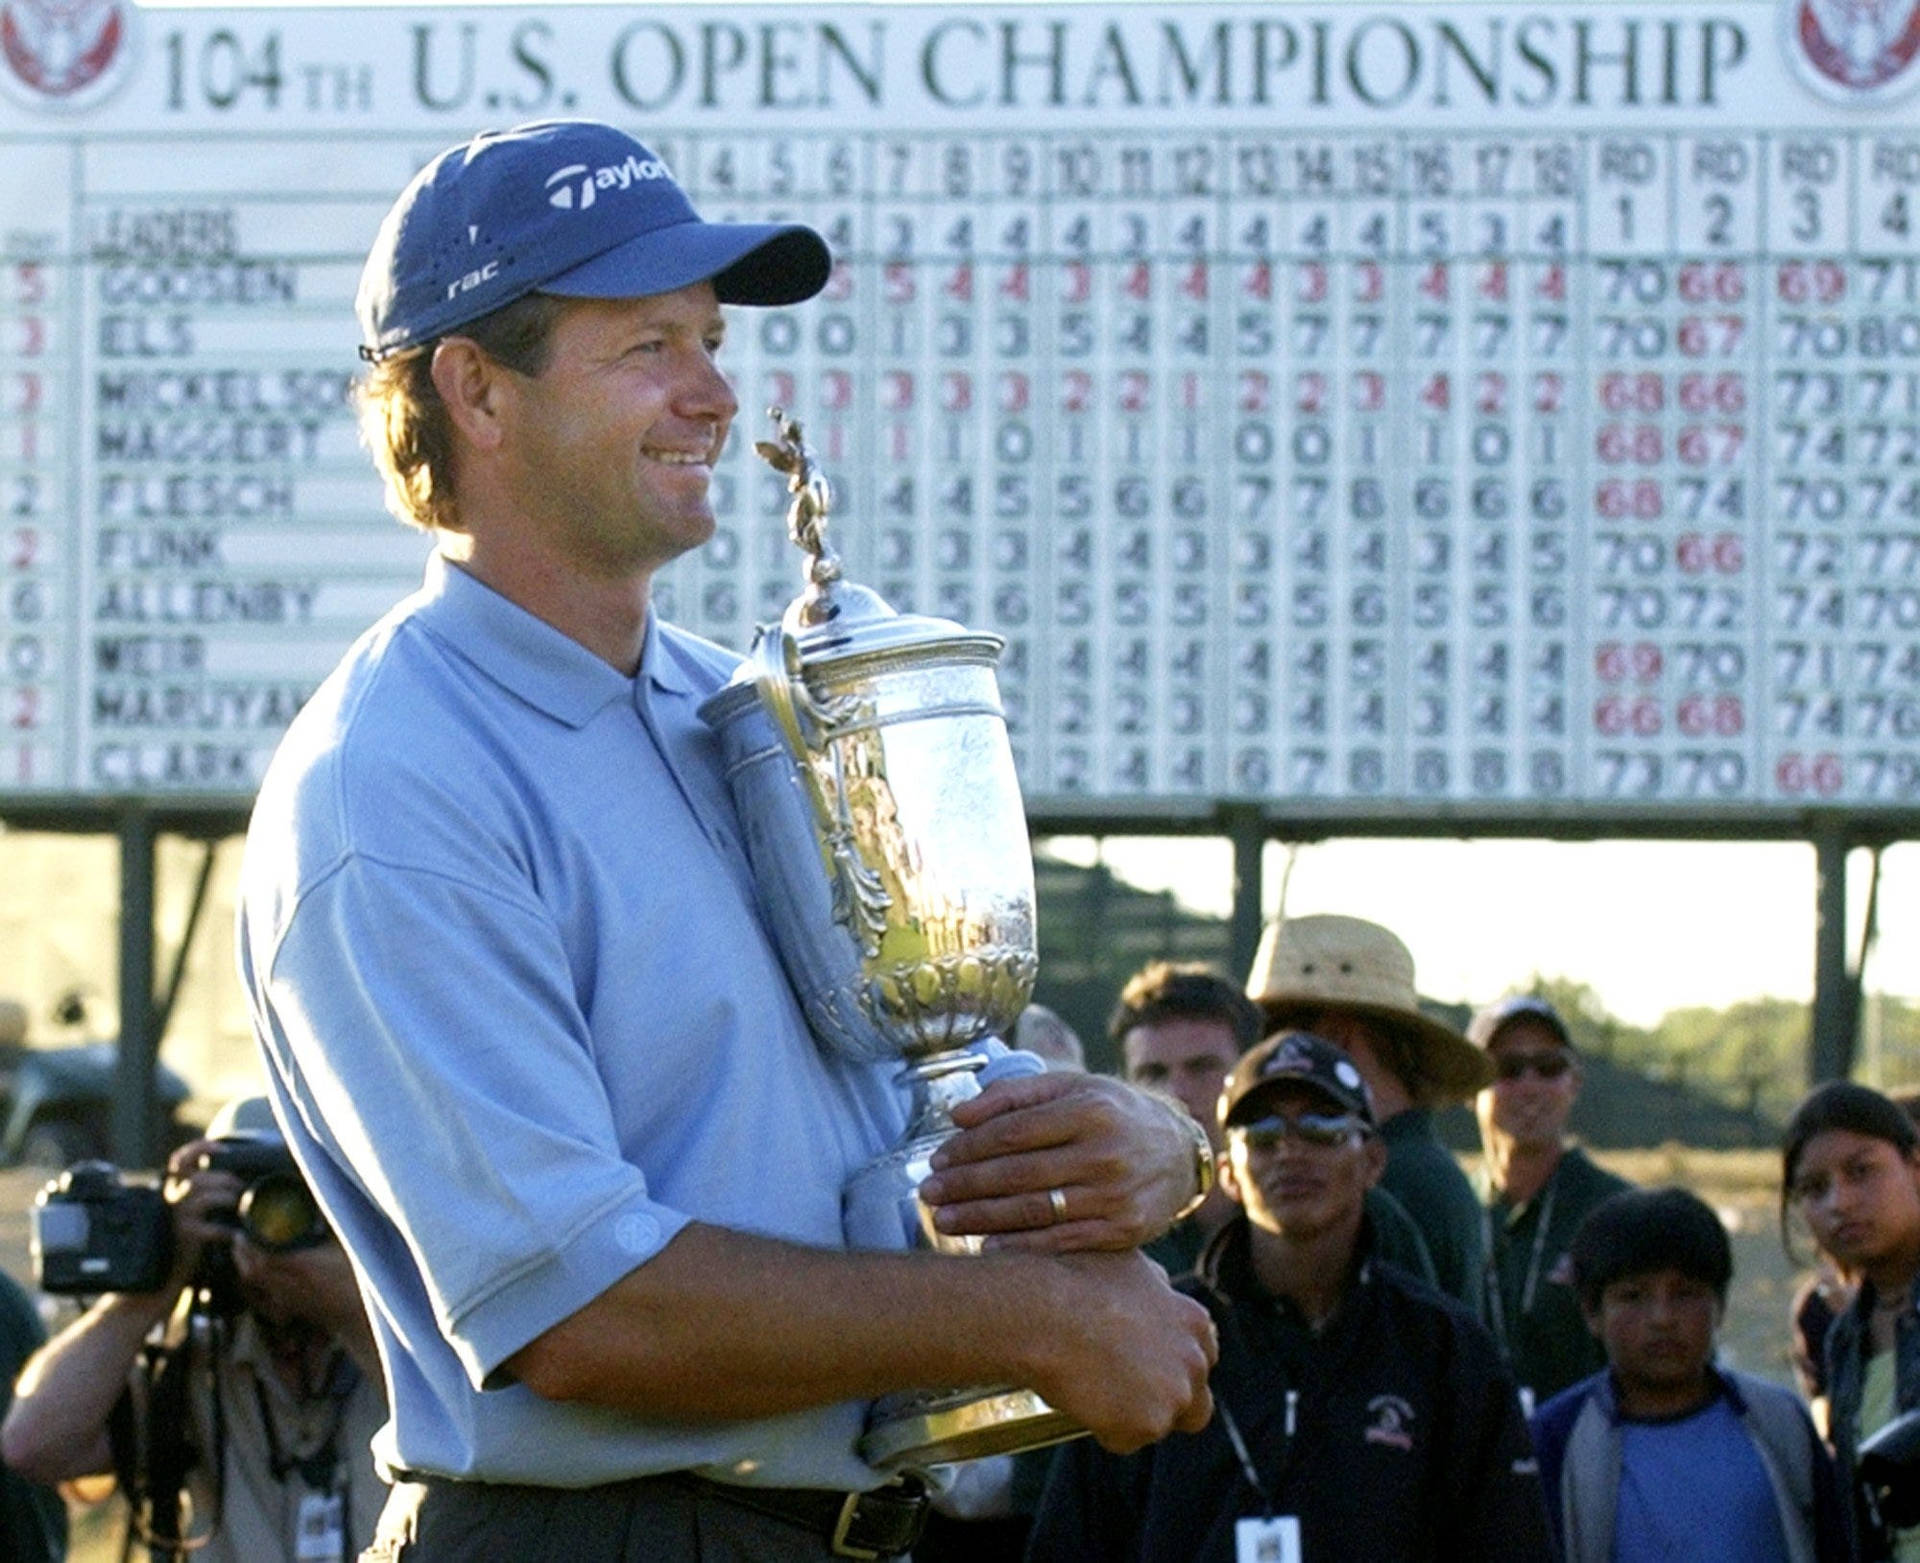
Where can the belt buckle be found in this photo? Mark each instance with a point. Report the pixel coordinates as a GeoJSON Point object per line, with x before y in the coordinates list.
{"type": "Point", "coordinates": [840, 1546]}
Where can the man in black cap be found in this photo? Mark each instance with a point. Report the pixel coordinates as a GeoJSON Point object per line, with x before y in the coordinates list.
{"type": "Point", "coordinates": [1538, 1186]}
{"type": "Point", "coordinates": [1358, 1413]}
{"type": "Point", "coordinates": [523, 1023]}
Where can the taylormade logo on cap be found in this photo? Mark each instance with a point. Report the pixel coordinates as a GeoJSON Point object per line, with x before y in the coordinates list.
{"type": "Point", "coordinates": [563, 193]}
{"type": "Point", "coordinates": [571, 207]}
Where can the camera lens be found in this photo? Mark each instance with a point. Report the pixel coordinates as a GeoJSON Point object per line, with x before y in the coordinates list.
{"type": "Point", "coordinates": [277, 1213]}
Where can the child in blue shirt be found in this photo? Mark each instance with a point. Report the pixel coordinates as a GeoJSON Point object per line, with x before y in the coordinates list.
{"type": "Point", "coordinates": [1662, 1455]}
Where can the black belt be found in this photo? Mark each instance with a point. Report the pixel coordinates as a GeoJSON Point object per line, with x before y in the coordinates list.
{"type": "Point", "coordinates": [884, 1523]}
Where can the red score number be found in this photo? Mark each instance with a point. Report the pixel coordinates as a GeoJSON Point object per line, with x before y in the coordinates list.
{"type": "Point", "coordinates": [1642, 499]}
{"type": "Point", "coordinates": [1621, 392]}
{"type": "Point", "coordinates": [1710, 445]}
{"type": "Point", "coordinates": [1615, 716]}
{"type": "Point", "coordinates": [1717, 716]}
{"type": "Point", "coordinates": [1711, 282]}
{"type": "Point", "coordinates": [1642, 444]}
{"type": "Point", "coordinates": [1710, 336]}
{"type": "Point", "coordinates": [1725, 553]}
{"type": "Point", "coordinates": [1701, 393]}
{"type": "Point", "coordinates": [1798, 774]}
{"type": "Point", "coordinates": [1811, 282]}
{"type": "Point", "coordinates": [1616, 661]}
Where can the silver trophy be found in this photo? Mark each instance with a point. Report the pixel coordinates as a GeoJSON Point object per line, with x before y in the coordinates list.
{"type": "Point", "coordinates": [868, 756]}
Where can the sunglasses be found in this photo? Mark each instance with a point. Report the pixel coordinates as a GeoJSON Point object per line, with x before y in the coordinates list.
{"type": "Point", "coordinates": [1548, 1066]}
{"type": "Point", "coordinates": [1323, 1131]}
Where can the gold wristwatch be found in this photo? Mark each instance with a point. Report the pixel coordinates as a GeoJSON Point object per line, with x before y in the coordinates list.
{"type": "Point", "coordinates": [1203, 1169]}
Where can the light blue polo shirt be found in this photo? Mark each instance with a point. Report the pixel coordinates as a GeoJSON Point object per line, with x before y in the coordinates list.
{"type": "Point", "coordinates": [523, 1022]}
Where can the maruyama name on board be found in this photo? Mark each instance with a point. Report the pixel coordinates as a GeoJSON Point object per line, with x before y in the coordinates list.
{"type": "Point", "coordinates": [221, 707]}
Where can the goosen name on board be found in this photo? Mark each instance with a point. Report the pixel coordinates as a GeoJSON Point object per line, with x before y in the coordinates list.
{"type": "Point", "coordinates": [1377, 60]}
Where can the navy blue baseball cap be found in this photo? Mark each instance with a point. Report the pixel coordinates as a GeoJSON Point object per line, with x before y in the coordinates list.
{"type": "Point", "coordinates": [1295, 1058]}
{"type": "Point", "coordinates": [571, 207]}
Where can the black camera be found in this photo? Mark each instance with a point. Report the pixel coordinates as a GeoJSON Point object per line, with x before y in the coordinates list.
{"type": "Point", "coordinates": [95, 1230]}
{"type": "Point", "coordinates": [276, 1210]}
{"type": "Point", "coordinates": [1888, 1469]}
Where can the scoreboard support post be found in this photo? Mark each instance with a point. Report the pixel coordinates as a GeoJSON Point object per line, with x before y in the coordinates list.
{"type": "Point", "coordinates": [1247, 832]}
{"type": "Point", "coordinates": [135, 1117]}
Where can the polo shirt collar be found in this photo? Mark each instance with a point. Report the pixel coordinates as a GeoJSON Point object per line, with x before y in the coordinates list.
{"type": "Point", "coordinates": [524, 654]}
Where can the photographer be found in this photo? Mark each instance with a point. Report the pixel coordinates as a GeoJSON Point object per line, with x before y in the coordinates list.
{"type": "Point", "coordinates": [253, 1387]}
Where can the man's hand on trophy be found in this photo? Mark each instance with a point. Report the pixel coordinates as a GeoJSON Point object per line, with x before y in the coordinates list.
{"type": "Point", "coordinates": [1132, 1364]}
{"type": "Point", "coordinates": [1054, 1163]}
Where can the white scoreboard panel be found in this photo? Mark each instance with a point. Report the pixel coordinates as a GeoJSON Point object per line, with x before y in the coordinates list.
{"type": "Point", "coordinates": [1354, 407]}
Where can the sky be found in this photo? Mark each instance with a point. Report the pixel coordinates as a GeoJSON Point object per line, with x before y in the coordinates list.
{"type": "Point", "coordinates": [1652, 926]}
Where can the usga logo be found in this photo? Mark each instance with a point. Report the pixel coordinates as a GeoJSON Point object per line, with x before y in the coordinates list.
{"type": "Point", "coordinates": [564, 193]}
{"type": "Point", "coordinates": [66, 54]}
{"type": "Point", "coordinates": [1854, 51]}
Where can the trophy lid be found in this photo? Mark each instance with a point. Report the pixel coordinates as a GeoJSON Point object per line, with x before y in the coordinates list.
{"type": "Point", "coordinates": [843, 620]}
{"type": "Point", "coordinates": [835, 621]}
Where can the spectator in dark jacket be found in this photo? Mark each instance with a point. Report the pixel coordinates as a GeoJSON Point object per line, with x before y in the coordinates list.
{"type": "Point", "coordinates": [1850, 1169]}
{"type": "Point", "coordinates": [33, 1520]}
{"type": "Point", "coordinates": [1360, 1416]}
{"type": "Point", "coordinates": [1538, 1187]}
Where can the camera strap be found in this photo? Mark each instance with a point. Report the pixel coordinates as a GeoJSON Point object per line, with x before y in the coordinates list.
{"type": "Point", "coordinates": [322, 1515]}
{"type": "Point", "coordinates": [156, 1449]}
{"type": "Point", "coordinates": [321, 1469]}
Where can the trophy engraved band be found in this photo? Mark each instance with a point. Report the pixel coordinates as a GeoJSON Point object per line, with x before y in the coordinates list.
{"type": "Point", "coordinates": [867, 753]}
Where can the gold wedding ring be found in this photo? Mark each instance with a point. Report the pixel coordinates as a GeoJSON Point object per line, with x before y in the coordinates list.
{"type": "Point", "coordinates": [1057, 1198]}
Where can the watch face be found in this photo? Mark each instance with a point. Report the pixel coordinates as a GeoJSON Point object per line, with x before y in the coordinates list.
{"type": "Point", "coordinates": [1203, 1168]}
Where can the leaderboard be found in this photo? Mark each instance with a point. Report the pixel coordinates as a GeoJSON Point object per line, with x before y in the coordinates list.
{"type": "Point", "coordinates": [1373, 408]}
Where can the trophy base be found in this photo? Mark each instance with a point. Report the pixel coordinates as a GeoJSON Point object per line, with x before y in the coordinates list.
{"type": "Point", "coordinates": [911, 1432]}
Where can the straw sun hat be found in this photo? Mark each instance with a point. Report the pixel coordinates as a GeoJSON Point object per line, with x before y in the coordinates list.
{"type": "Point", "coordinates": [1345, 963]}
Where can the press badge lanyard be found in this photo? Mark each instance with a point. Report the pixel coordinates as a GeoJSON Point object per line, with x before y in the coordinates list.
{"type": "Point", "coordinates": [1530, 1285]}
{"type": "Point", "coordinates": [1271, 1538]}
{"type": "Point", "coordinates": [1245, 1457]}
{"type": "Point", "coordinates": [321, 1522]}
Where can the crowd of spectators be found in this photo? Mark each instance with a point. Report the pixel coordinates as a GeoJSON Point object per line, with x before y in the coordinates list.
{"type": "Point", "coordinates": [1413, 1365]}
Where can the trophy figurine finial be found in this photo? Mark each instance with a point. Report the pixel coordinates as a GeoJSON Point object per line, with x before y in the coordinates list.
{"type": "Point", "coordinates": [812, 496]}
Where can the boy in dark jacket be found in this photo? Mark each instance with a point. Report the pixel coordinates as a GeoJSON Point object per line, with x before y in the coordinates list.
{"type": "Point", "coordinates": [1358, 1414]}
